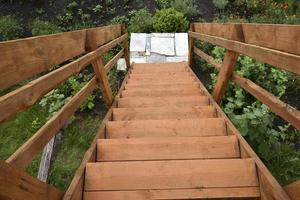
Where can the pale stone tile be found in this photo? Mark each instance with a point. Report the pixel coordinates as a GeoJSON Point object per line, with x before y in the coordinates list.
{"type": "Point", "coordinates": [138, 60]}
{"type": "Point", "coordinates": [164, 46]}
{"type": "Point", "coordinates": [181, 44]}
{"type": "Point", "coordinates": [138, 42]}
{"type": "Point", "coordinates": [177, 59]}
{"type": "Point", "coordinates": [156, 58]}
{"type": "Point", "coordinates": [163, 35]}
{"type": "Point", "coordinates": [121, 65]}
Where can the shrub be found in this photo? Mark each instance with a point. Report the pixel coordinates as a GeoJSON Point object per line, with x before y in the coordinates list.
{"type": "Point", "coordinates": [120, 20]}
{"type": "Point", "coordinates": [140, 21]}
{"type": "Point", "coordinates": [9, 28]}
{"type": "Point", "coordinates": [170, 20]}
{"type": "Point", "coordinates": [43, 28]}
{"type": "Point", "coordinates": [164, 3]}
{"type": "Point", "coordinates": [187, 7]}
{"type": "Point", "coordinates": [220, 4]}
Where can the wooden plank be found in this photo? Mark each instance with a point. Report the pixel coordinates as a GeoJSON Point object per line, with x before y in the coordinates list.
{"type": "Point", "coordinates": [126, 47]}
{"type": "Point", "coordinates": [173, 148]}
{"type": "Point", "coordinates": [126, 114]}
{"type": "Point", "coordinates": [225, 30]}
{"type": "Point", "coordinates": [293, 190]}
{"type": "Point", "coordinates": [282, 109]}
{"type": "Point", "coordinates": [165, 74]}
{"type": "Point", "coordinates": [225, 74]}
{"type": "Point", "coordinates": [274, 36]}
{"type": "Point", "coordinates": [162, 86]}
{"type": "Point", "coordinates": [191, 44]}
{"type": "Point", "coordinates": [187, 80]}
{"type": "Point", "coordinates": [163, 101]}
{"type": "Point", "coordinates": [160, 79]}
{"type": "Point", "coordinates": [166, 128]}
{"type": "Point", "coordinates": [172, 174]}
{"type": "Point", "coordinates": [275, 190]}
{"type": "Point", "coordinates": [161, 92]}
{"type": "Point", "coordinates": [26, 96]}
{"type": "Point", "coordinates": [102, 80]}
{"type": "Point", "coordinates": [18, 185]}
{"type": "Point", "coordinates": [26, 153]}
{"type": "Point", "coordinates": [101, 35]}
{"type": "Point", "coordinates": [113, 61]}
{"type": "Point", "coordinates": [21, 59]}
{"type": "Point", "coordinates": [203, 193]}
{"type": "Point", "coordinates": [207, 58]}
{"type": "Point", "coordinates": [283, 60]}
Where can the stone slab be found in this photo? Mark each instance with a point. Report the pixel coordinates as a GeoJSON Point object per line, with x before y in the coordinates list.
{"type": "Point", "coordinates": [121, 66]}
{"type": "Point", "coordinates": [181, 44]}
{"type": "Point", "coordinates": [164, 46]}
{"type": "Point", "coordinates": [163, 35]}
{"type": "Point", "coordinates": [138, 42]}
{"type": "Point", "coordinates": [177, 59]}
{"type": "Point", "coordinates": [148, 45]}
{"type": "Point", "coordinates": [138, 60]}
{"type": "Point", "coordinates": [156, 58]}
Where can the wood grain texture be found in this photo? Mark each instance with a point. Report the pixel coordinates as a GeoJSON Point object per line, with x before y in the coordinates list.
{"type": "Point", "coordinates": [191, 44]}
{"type": "Point", "coordinates": [18, 185]}
{"type": "Point", "coordinates": [161, 86]}
{"type": "Point", "coordinates": [162, 101]}
{"type": "Point", "coordinates": [293, 190]}
{"type": "Point", "coordinates": [170, 174]}
{"type": "Point", "coordinates": [161, 92]}
{"type": "Point", "coordinates": [166, 128]}
{"type": "Point", "coordinates": [27, 152]}
{"type": "Point", "coordinates": [203, 193]}
{"type": "Point", "coordinates": [22, 59]}
{"type": "Point", "coordinates": [159, 113]}
{"type": "Point", "coordinates": [173, 148]}
{"type": "Point", "coordinates": [280, 37]}
{"type": "Point", "coordinates": [113, 61]}
{"type": "Point", "coordinates": [224, 75]}
{"type": "Point", "coordinates": [207, 58]}
{"type": "Point", "coordinates": [283, 60]}
{"type": "Point", "coordinates": [126, 47]}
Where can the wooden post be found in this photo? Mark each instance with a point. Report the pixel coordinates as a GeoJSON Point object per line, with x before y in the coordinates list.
{"type": "Point", "coordinates": [225, 73]}
{"type": "Point", "coordinates": [126, 47]}
{"type": "Point", "coordinates": [191, 45]}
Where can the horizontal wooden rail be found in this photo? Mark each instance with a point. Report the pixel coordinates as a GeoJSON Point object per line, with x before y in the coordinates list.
{"type": "Point", "coordinates": [26, 96]}
{"type": "Point", "coordinates": [282, 109]}
{"type": "Point", "coordinates": [293, 190]}
{"type": "Point", "coordinates": [113, 61]}
{"type": "Point", "coordinates": [26, 153]}
{"type": "Point", "coordinates": [283, 60]}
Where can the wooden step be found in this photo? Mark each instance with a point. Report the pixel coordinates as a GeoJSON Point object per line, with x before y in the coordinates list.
{"type": "Point", "coordinates": [161, 86]}
{"type": "Point", "coordinates": [161, 75]}
{"type": "Point", "coordinates": [158, 69]}
{"type": "Point", "coordinates": [203, 193]}
{"type": "Point", "coordinates": [169, 79]}
{"type": "Point", "coordinates": [174, 148]}
{"type": "Point", "coordinates": [166, 128]}
{"type": "Point", "coordinates": [163, 101]}
{"type": "Point", "coordinates": [155, 113]}
{"type": "Point", "coordinates": [161, 92]}
{"type": "Point", "coordinates": [159, 65]}
{"type": "Point", "coordinates": [171, 174]}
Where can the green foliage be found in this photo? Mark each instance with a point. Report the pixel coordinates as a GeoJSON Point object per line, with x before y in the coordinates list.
{"type": "Point", "coordinates": [187, 7]}
{"type": "Point", "coordinates": [169, 20]}
{"type": "Point", "coordinates": [9, 28]}
{"type": "Point", "coordinates": [140, 21]}
{"type": "Point", "coordinates": [162, 4]}
{"type": "Point", "coordinates": [120, 20]}
{"type": "Point", "coordinates": [98, 8]}
{"type": "Point", "coordinates": [220, 4]}
{"type": "Point", "coordinates": [44, 28]}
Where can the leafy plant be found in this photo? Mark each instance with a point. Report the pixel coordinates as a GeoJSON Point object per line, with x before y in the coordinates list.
{"type": "Point", "coordinates": [220, 4]}
{"type": "Point", "coordinates": [162, 4]}
{"type": "Point", "coordinates": [169, 20]}
{"type": "Point", "coordinates": [97, 8]}
{"type": "Point", "coordinates": [9, 28]}
{"type": "Point", "coordinates": [187, 7]}
{"type": "Point", "coordinates": [140, 21]}
{"type": "Point", "coordinates": [43, 28]}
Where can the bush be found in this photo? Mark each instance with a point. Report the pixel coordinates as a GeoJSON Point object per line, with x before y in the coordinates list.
{"type": "Point", "coordinates": [43, 28]}
{"type": "Point", "coordinates": [140, 21]}
{"type": "Point", "coordinates": [9, 28]}
{"type": "Point", "coordinates": [170, 20]}
{"type": "Point", "coordinates": [220, 4]}
{"type": "Point", "coordinates": [164, 3]}
{"type": "Point", "coordinates": [187, 7]}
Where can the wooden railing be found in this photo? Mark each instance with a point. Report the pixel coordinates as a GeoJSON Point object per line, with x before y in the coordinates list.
{"type": "Point", "coordinates": [27, 58]}
{"type": "Point", "coordinates": [277, 45]}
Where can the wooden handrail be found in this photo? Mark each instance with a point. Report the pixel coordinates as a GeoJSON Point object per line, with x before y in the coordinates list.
{"type": "Point", "coordinates": [217, 31]}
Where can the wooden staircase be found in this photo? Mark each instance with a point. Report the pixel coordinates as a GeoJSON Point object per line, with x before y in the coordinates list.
{"type": "Point", "coordinates": [166, 141]}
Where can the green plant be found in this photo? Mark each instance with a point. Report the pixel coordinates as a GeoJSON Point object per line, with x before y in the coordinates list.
{"type": "Point", "coordinates": [164, 3]}
{"type": "Point", "coordinates": [169, 20]}
{"type": "Point", "coordinates": [97, 8]}
{"type": "Point", "coordinates": [187, 7]}
{"type": "Point", "coordinates": [220, 4]}
{"type": "Point", "coordinates": [9, 28]}
{"type": "Point", "coordinates": [140, 21]}
{"type": "Point", "coordinates": [120, 20]}
{"type": "Point", "coordinates": [43, 28]}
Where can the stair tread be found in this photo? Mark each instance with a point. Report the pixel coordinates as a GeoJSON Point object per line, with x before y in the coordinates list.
{"type": "Point", "coordinates": [161, 92]}
{"type": "Point", "coordinates": [171, 174]}
{"type": "Point", "coordinates": [161, 85]}
{"type": "Point", "coordinates": [161, 75]}
{"type": "Point", "coordinates": [173, 148]}
{"type": "Point", "coordinates": [162, 101]}
{"type": "Point", "coordinates": [169, 112]}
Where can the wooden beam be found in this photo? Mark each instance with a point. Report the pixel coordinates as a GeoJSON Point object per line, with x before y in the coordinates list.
{"type": "Point", "coordinates": [113, 61]}
{"type": "Point", "coordinates": [282, 109]}
{"type": "Point", "coordinates": [18, 185]}
{"type": "Point", "coordinates": [225, 74]}
{"type": "Point", "coordinates": [191, 45]}
{"type": "Point", "coordinates": [26, 153]}
{"type": "Point", "coordinates": [283, 60]}
{"type": "Point", "coordinates": [293, 190]}
{"type": "Point", "coordinates": [207, 58]}
{"type": "Point", "coordinates": [24, 58]}
{"type": "Point", "coordinates": [126, 47]}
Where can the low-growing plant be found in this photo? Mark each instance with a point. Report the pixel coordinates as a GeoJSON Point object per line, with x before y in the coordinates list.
{"type": "Point", "coordinates": [140, 21]}
{"type": "Point", "coordinates": [43, 28]}
{"type": "Point", "coordinates": [220, 4]}
{"type": "Point", "coordinates": [187, 7]}
{"type": "Point", "coordinates": [164, 3]}
{"type": "Point", "coordinates": [170, 20]}
{"type": "Point", "coordinates": [9, 28]}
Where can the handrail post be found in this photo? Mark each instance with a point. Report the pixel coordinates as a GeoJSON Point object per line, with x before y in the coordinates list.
{"type": "Point", "coordinates": [191, 44]}
{"type": "Point", "coordinates": [126, 47]}
{"type": "Point", "coordinates": [225, 74]}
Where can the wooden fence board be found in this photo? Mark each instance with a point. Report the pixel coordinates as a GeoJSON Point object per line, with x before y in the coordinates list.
{"type": "Point", "coordinates": [21, 59]}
